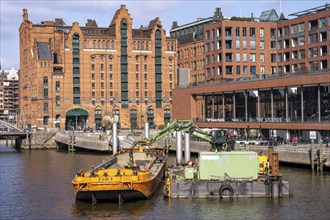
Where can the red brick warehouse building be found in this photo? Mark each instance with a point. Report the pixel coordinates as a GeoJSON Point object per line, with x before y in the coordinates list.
{"type": "Point", "coordinates": [74, 75]}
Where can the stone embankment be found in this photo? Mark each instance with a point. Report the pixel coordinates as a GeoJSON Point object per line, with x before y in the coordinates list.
{"type": "Point", "coordinates": [83, 140]}
{"type": "Point", "coordinates": [301, 154]}
{"type": "Point", "coordinates": [39, 140]}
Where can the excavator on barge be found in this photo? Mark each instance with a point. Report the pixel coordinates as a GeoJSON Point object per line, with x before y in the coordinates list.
{"type": "Point", "coordinates": [136, 173]}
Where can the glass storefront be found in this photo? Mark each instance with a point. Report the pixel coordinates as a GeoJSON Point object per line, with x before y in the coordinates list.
{"type": "Point", "coordinates": [229, 106]}
{"type": "Point", "coordinates": [279, 104]}
{"type": "Point", "coordinates": [310, 103]}
{"type": "Point", "coordinates": [325, 102]}
{"type": "Point", "coordinates": [294, 104]}
{"type": "Point", "coordinates": [265, 104]}
{"type": "Point", "coordinates": [252, 104]}
{"type": "Point", "coordinates": [285, 104]}
{"type": "Point", "coordinates": [240, 106]}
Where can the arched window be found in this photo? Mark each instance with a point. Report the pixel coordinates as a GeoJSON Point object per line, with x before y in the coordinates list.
{"type": "Point", "coordinates": [75, 39]}
{"type": "Point", "coordinates": [98, 119]}
{"type": "Point", "coordinates": [150, 115]}
{"type": "Point", "coordinates": [167, 116]}
{"type": "Point", "coordinates": [133, 118]}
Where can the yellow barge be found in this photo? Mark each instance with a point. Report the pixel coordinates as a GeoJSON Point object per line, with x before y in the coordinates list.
{"type": "Point", "coordinates": [128, 175]}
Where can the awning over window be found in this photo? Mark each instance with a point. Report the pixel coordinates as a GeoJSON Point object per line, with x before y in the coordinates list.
{"type": "Point", "coordinates": [77, 112]}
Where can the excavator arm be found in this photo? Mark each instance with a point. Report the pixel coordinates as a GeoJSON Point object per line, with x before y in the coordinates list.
{"type": "Point", "coordinates": [219, 139]}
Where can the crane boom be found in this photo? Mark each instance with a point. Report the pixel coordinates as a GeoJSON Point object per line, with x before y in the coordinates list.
{"type": "Point", "coordinates": [220, 139]}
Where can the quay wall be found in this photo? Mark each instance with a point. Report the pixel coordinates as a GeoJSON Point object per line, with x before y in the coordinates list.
{"type": "Point", "coordinates": [39, 140]}
{"type": "Point", "coordinates": [300, 155]}
{"type": "Point", "coordinates": [88, 141]}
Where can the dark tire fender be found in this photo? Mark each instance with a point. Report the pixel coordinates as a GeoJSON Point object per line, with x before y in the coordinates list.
{"type": "Point", "coordinates": [226, 191]}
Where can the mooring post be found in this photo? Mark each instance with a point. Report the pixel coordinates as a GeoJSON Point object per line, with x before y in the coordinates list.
{"type": "Point", "coordinates": [178, 147]}
{"type": "Point", "coordinates": [270, 154]}
{"type": "Point", "coordinates": [146, 130]}
{"type": "Point", "coordinates": [186, 147]}
{"type": "Point", "coordinates": [312, 156]}
{"type": "Point", "coordinates": [70, 140]}
{"type": "Point", "coordinates": [29, 139]}
{"type": "Point", "coordinates": [321, 156]}
{"type": "Point", "coordinates": [115, 140]}
{"type": "Point", "coordinates": [73, 141]}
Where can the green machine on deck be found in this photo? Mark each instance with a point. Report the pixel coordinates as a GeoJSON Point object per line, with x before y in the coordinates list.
{"type": "Point", "coordinates": [221, 165]}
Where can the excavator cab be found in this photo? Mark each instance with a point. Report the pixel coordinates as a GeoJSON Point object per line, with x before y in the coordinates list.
{"type": "Point", "coordinates": [222, 140]}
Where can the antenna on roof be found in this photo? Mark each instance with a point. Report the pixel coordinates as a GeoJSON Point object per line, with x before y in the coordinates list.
{"type": "Point", "coordinates": [280, 6]}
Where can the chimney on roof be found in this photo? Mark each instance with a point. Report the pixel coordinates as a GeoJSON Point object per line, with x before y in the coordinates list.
{"type": "Point", "coordinates": [25, 14]}
{"type": "Point", "coordinates": [59, 22]}
{"type": "Point", "coordinates": [252, 18]}
{"type": "Point", "coordinates": [91, 23]}
{"type": "Point", "coordinates": [217, 14]}
{"type": "Point", "coordinates": [174, 24]}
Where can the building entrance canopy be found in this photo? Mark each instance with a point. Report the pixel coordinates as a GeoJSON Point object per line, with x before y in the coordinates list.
{"type": "Point", "coordinates": [76, 119]}
{"type": "Point", "coordinates": [77, 112]}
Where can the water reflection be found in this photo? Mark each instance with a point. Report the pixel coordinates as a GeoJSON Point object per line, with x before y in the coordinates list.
{"type": "Point", "coordinates": [112, 210]}
{"type": "Point", "coordinates": [37, 185]}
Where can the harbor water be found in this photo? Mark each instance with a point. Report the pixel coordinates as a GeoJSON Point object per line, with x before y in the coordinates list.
{"type": "Point", "coordinates": [37, 185]}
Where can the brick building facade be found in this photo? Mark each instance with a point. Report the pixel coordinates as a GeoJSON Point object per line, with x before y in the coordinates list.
{"type": "Point", "coordinates": [269, 45]}
{"type": "Point", "coordinates": [72, 76]}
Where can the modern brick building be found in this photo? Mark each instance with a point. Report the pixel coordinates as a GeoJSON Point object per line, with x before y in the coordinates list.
{"type": "Point", "coordinates": [236, 47]}
{"type": "Point", "coordinates": [73, 75]}
{"type": "Point", "coordinates": [191, 49]}
{"type": "Point", "coordinates": [9, 93]}
{"type": "Point", "coordinates": [268, 74]}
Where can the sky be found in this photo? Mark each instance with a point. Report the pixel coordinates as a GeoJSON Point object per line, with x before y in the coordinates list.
{"type": "Point", "coordinates": [102, 11]}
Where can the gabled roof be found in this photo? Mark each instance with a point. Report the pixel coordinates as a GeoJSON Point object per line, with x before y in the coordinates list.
{"type": "Point", "coordinates": [282, 17]}
{"type": "Point", "coordinates": [113, 21]}
{"type": "Point", "coordinates": [269, 15]}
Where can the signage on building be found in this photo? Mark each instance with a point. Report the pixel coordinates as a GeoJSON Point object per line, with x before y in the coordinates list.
{"type": "Point", "coordinates": [312, 135]}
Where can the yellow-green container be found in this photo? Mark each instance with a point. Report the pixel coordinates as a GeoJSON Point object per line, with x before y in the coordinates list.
{"type": "Point", "coordinates": [189, 173]}
{"type": "Point", "coordinates": [218, 165]}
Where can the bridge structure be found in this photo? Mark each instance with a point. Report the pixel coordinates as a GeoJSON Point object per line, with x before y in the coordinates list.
{"type": "Point", "coordinates": [11, 132]}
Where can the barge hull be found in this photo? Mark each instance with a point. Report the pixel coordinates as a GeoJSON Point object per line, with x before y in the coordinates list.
{"type": "Point", "coordinates": [222, 189]}
{"type": "Point", "coordinates": [110, 196]}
